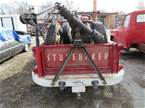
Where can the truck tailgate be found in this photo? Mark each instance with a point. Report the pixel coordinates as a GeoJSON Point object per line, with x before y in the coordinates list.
{"type": "Point", "coordinates": [105, 56]}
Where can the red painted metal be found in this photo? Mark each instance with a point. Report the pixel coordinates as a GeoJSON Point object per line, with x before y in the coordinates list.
{"type": "Point", "coordinates": [50, 57]}
{"type": "Point", "coordinates": [38, 60]}
{"type": "Point", "coordinates": [134, 33]}
{"type": "Point", "coordinates": [115, 55]}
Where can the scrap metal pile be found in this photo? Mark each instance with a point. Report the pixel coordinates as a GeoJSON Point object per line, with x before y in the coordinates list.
{"type": "Point", "coordinates": [67, 31]}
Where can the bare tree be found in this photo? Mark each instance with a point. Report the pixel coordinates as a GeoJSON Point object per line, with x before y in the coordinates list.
{"type": "Point", "coordinates": [44, 7]}
{"type": "Point", "coordinates": [71, 5]}
{"type": "Point", "coordinates": [6, 9]}
{"type": "Point", "coordinates": [21, 7]}
{"type": "Point", "coordinates": [2, 12]}
{"type": "Point", "coordinates": [15, 8]}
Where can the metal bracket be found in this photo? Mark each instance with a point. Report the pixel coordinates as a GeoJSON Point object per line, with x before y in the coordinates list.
{"type": "Point", "coordinates": [77, 44]}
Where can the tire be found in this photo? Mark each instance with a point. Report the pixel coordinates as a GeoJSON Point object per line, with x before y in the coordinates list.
{"type": "Point", "coordinates": [66, 33]}
{"type": "Point", "coordinates": [101, 29]}
{"type": "Point", "coordinates": [28, 18]}
{"type": "Point", "coordinates": [49, 38]}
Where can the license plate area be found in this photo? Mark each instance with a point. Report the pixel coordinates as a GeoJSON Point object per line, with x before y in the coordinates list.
{"type": "Point", "coordinates": [78, 86]}
{"type": "Point", "coordinates": [78, 89]}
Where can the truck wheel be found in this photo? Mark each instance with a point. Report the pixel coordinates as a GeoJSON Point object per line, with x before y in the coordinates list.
{"type": "Point", "coordinates": [98, 26]}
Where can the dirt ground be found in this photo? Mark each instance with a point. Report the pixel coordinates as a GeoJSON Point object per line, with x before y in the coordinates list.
{"type": "Point", "coordinates": [17, 89]}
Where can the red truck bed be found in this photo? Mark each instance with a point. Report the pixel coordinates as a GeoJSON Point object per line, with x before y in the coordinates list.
{"type": "Point", "coordinates": [50, 57]}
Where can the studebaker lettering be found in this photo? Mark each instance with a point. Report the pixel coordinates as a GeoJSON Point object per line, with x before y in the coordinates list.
{"type": "Point", "coordinates": [77, 57]}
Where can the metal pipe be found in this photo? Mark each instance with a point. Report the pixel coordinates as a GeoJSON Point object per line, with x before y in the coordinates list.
{"type": "Point", "coordinates": [46, 10]}
{"type": "Point", "coordinates": [37, 35]}
{"type": "Point", "coordinates": [46, 20]}
{"type": "Point", "coordinates": [75, 22]}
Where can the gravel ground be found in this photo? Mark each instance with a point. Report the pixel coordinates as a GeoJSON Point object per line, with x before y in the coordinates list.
{"type": "Point", "coordinates": [18, 91]}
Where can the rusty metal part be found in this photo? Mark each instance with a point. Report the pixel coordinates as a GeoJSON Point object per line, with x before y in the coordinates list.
{"type": "Point", "coordinates": [96, 36]}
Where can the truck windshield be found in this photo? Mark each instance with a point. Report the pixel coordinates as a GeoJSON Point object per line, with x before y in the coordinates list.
{"type": "Point", "coordinates": [126, 21]}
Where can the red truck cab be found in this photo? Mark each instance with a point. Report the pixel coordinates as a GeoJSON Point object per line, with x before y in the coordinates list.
{"type": "Point", "coordinates": [132, 31]}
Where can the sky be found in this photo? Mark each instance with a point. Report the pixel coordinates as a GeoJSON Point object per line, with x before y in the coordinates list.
{"type": "Point", "coordinates": [87, 5]}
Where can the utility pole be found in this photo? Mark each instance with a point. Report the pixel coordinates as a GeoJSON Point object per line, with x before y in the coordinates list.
{"type": "Point", "coordinates": [94, 10]}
